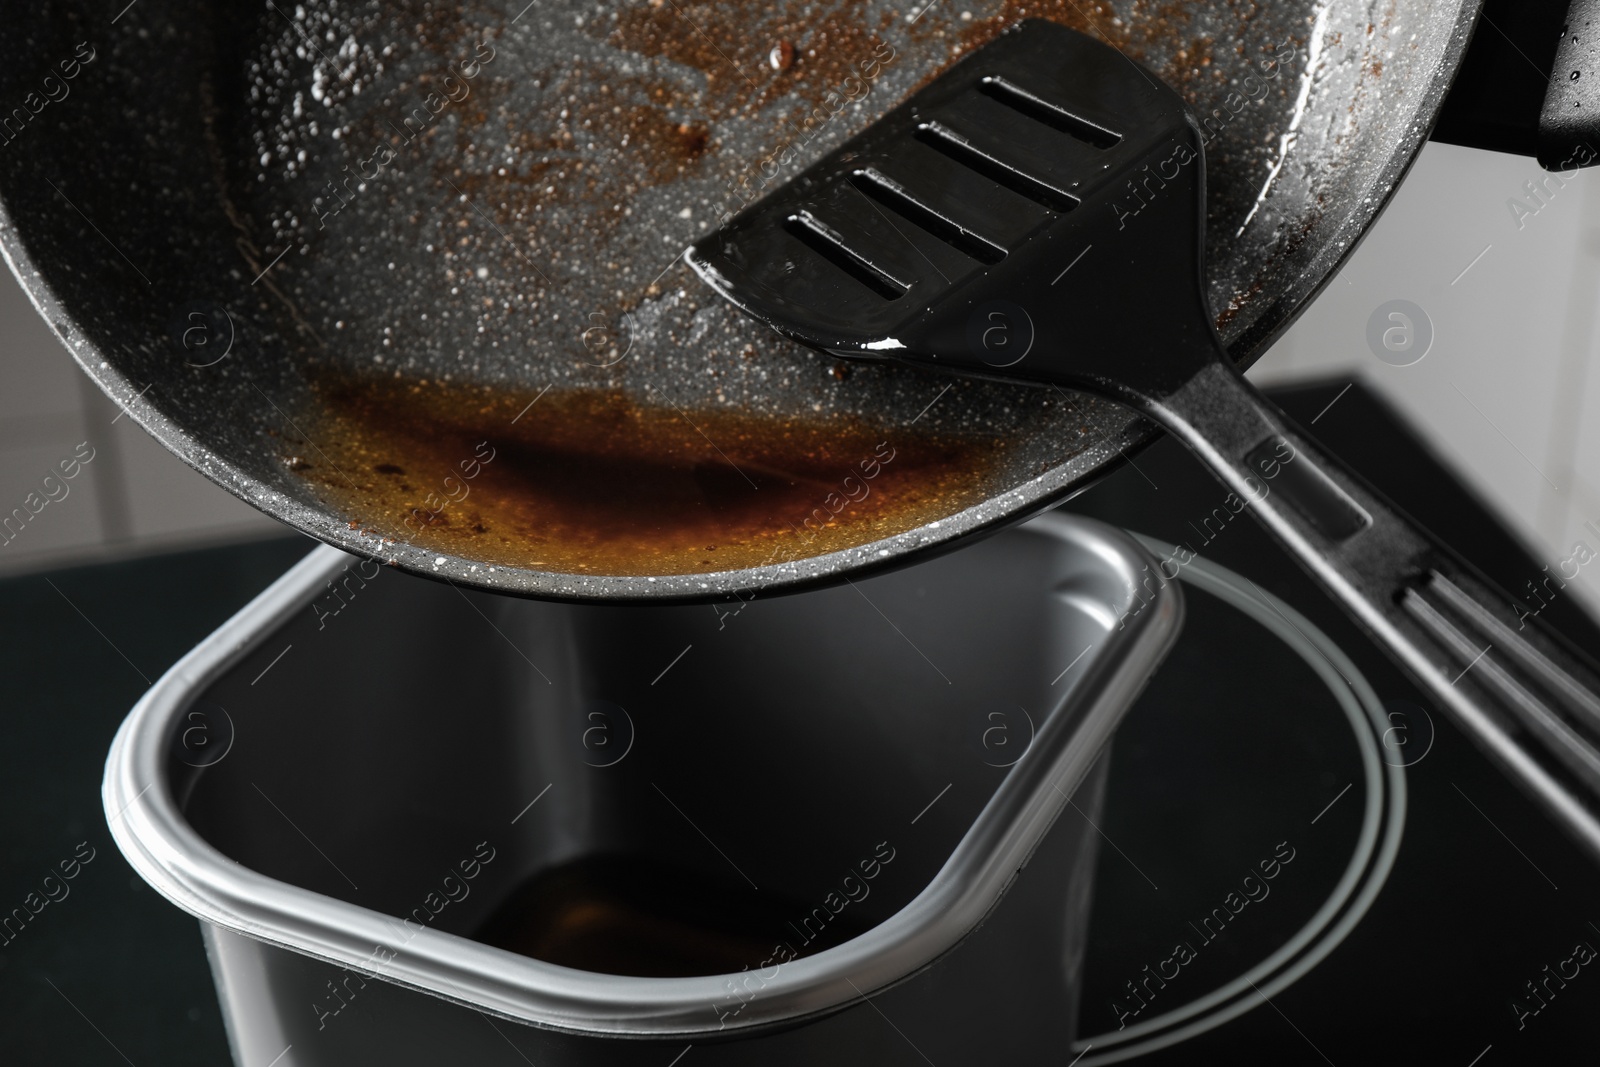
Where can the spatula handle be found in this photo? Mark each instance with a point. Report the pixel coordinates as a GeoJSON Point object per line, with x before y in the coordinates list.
{"type": "Point", "coordinates": [1522, 694]}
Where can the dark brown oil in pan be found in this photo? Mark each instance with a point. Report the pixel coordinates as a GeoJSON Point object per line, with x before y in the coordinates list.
{"type": "Point", "coordinates": [598, 483]}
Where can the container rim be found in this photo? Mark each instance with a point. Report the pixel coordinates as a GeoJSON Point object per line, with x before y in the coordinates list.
{"type": "Point", "coordinates": [150, 829]}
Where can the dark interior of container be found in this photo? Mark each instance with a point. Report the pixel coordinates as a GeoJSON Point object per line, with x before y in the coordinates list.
{"type": "Point", "coordinates": [651, 791]}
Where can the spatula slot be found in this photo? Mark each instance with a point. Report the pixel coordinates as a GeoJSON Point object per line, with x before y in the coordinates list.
{"type": "Point", "coordinates": [891, 194]}
{"type": "Point", "coordinates": [952, 145]}
{"type": "Point", "coordinates": [1053, 115]}
{"type": "Point", "coordinates": [827, 243]}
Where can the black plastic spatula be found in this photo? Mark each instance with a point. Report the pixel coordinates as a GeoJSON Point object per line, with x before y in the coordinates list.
{"type": "Point", "coordinates": [1035, 214]}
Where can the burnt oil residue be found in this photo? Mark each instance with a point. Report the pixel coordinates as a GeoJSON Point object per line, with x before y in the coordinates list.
{"type": "Point", "coordinates": [731, 44]}
{"type": "Point", "coordinates": [592, 482]}
{"type": "Point", "coordinates": [465, 197]}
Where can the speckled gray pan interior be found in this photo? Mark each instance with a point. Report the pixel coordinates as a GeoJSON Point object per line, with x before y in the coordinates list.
{"type": "Point", "coordinates": [539, 207]}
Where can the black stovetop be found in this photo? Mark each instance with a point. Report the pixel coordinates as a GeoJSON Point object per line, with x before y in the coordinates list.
{"type": "Point", "coordinates": [1236, 748]}
{"type": "Point", "coordinates": [1238, 762]}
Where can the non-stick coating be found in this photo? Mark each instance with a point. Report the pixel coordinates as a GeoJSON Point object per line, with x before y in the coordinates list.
{"type": "Point", "coordinates": [186, 166]}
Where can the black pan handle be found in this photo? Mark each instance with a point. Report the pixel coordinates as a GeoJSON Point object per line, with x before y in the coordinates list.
{"type": "Point", "coordinates": [1569, 121]}
{"type": "Point", "coordinates": [1521, 693]}
{"type": "Point", "coordinates": [1529, 83]}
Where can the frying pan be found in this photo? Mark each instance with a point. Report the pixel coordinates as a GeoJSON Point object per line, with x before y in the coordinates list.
{"type": "Point", "coordinates": [409, 277]}
{"type": "Point", "coordinates": [406, 278]}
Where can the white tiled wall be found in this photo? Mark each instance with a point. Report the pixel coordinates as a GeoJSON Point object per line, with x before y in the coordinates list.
{"type": "Point", "coordinates": [1505, 392]}
{"type": "Point", "coordinates": [133, 496]}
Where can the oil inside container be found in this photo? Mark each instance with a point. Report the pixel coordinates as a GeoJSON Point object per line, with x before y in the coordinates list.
{"type": "Point", "coordinates": [598, 483]}
{"type": "Point", "coordinates": [631, 915]}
